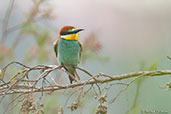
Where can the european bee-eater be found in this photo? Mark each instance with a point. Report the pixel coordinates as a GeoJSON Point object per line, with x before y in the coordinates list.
{"type": "Point", "coordinates": [68, 49]}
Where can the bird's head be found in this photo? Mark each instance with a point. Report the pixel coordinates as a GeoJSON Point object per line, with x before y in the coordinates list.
{"type": "Point", "coordinates": [69, 32]}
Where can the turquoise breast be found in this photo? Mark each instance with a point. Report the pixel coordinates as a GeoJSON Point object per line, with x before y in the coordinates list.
{"type": "Point", "coordinates": [68, 52]}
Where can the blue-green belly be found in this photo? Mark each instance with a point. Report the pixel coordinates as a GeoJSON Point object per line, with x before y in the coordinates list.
{"type": "Point", "coordinates": [68, 52]}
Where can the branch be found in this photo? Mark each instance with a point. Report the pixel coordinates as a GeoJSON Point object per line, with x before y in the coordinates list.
{"type": "Point", "coordinates": [17, 84]}
{"type": "Point", "coordinates": [6, 20]}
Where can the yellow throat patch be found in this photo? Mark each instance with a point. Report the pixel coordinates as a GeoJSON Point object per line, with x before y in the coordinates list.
{"type": "Point", "coordinates": [70, 37]}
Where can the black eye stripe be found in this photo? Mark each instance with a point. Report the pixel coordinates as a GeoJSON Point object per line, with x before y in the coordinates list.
{"type": "Point", "coordinates": [68, 32]}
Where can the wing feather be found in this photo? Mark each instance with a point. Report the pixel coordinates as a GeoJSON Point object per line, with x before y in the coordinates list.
{"type": "Point", "coordinates": [55, 44]}
{"type": "Point", "coordinates": [81, 47]}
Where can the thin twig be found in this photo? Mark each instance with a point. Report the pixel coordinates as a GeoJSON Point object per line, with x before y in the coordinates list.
{"type": "Point", "coordinates": [6, 20]}
{"type": "Point", "coordinates": [124, 89]}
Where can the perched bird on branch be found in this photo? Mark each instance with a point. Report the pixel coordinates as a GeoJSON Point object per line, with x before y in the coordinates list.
{"type": "Point", "coordinates": [68, 50]}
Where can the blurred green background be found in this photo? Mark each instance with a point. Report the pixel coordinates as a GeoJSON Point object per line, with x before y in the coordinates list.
{"type": "Point", "coordinates": [120, 36]}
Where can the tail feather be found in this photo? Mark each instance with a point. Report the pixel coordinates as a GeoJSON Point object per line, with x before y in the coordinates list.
{"type": "Point", "coordinates": [74, 73]}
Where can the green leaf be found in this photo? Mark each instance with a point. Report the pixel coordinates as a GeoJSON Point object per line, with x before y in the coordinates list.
{"type": "Point", "coordinates": [12, 79]}
{"type": "Point", "coordinates": [153, 66]}
{"type": "Point", "coordinates": [21, 73]}
{"type": "Point", "coordinates": [169, 57]}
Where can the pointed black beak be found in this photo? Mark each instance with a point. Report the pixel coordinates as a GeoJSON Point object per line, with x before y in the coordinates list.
{"type": "Point", "coordinates": [71, 32]}
{"type": "Point", "coordinates": [77, 30]}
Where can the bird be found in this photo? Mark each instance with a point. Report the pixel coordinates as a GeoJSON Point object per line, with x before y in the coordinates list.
{"type": "Point", "coordinates": [68, 50]}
